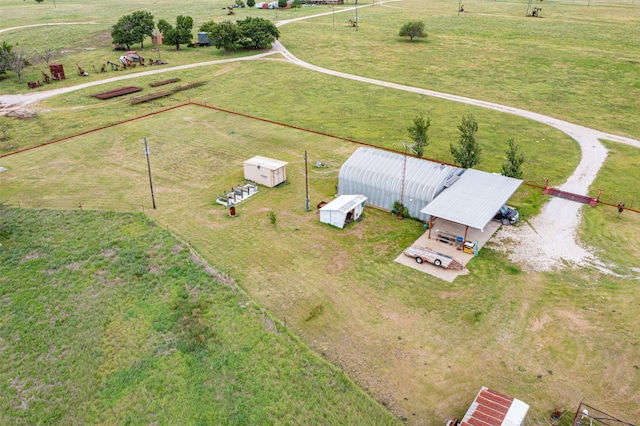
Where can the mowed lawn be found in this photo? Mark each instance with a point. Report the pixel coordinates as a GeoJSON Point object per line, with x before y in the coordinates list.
{"type": "Point", "coordinates": [421, 346]}
{"type": "Point", "coordinates": [578, 62]}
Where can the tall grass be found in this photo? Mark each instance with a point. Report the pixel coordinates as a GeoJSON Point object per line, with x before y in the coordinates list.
{"type": "Point", "coordinates": [110, 319]}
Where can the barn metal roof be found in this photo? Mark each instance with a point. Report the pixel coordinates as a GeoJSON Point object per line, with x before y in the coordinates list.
{"type": "Point", "coordinates": [491, 408]}
{"type": "Point", "coordinates": [268, 163]}
{"type": "Point", "coordinates": [474, 199]}
{"type": "Point", "coordinates": [379, 174]}
{"type": "Point", "coordinates": [344, 203]}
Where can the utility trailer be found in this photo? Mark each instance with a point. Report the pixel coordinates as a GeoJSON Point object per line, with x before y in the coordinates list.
{"type": "Point", "coordinates": [426, 254]}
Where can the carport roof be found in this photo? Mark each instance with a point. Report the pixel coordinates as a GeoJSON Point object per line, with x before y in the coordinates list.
{"type": "Point", "coordinates": [474, 199]}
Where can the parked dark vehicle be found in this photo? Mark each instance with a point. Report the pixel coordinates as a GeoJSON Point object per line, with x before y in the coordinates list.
{"type": "Point", "coordinates": [507, 215]}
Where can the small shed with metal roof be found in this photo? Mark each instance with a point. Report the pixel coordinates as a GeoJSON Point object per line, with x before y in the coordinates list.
{"type": "Point", "coordinates": [265, 171]}
{"type": "Point", "coordinates": [491, 408]}
{"type": "Point", "coordinates": [343, 210]}
{"type": "Point", "coordinates": [472, 200]}
{"type": "Point", "coordinates": [386, 177]}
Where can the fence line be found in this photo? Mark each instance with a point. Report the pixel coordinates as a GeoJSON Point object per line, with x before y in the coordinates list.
{"type": "Point", "coordinates": [203, 104]}
{"type": "Point", "coordinates": [85, 204]}
{"type": "Point", "coordinates": [317, 132]}
{"type": "Point", "coordinates": [94, 130]}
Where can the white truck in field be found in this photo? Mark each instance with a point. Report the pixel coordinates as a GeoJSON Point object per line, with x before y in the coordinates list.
{"type": "Point", "coordinates": [426, 254]}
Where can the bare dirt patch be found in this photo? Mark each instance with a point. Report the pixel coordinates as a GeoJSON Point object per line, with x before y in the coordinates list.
{"type": "Point", "coordinates": [32, 255]}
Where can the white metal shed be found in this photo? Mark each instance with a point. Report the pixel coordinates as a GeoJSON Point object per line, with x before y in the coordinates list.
{"type": "Point", "coordinates": [343, 210]}
{"type": "Point", "coordinates": [378, 175]}
{"type": "Point", "coordinates": [265, 171]}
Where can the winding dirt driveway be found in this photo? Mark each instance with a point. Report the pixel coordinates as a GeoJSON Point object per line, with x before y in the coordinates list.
{"type": "Point", "coordinates": [550, 240]}
{"type": "Point", "coordinates": [47, 25]}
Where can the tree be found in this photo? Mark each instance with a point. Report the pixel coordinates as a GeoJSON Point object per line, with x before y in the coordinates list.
{"type": "Point", "coordinates": [134, 28]}
{"type": "Point", "coordinates": [47, 54]}
{"type": "Point", "coordinates": [297, 4]}
{"type": "Point", "coordinates": [251, 3]}
{"type": "Point", "coordinates": [144, 25]}
{"type": "Point", "coordinates": [257, 33]}
{"type": "Point", "coordinates": [5, 49]}
{"type": "Point", "coordinates": [207, 27]}
{"type": "Point", "coordinates": [14, 60]}
{"type": "Point", "coordinates": [5, 126]}
{"type": "Point", "coordinates": [251, 33]}
{"type": "Point", "coordinates": [282, 4]}
{"type": "Point", "coordinates": [181, 34]}
{"type": "Point", "coordinates": [419, 133]}
{"type": "Point", "coordinates": [412, 29]}
{"type": "Point", "coordinates": [225, 35]}
{"type": "Point", "coordinates": [122, 33]}
{"type": "Point", "coordinates": [467, 154]}
{"type": "Point", "coordinates": [515, 158]}
{"type": "Point", "coordinates": [164, 27]}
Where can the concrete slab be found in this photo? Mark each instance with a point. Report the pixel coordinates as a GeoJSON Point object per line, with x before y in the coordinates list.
{"type": "Point", "coordinates": [451, 228]}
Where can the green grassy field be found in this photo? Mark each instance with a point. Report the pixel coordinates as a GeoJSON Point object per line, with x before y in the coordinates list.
{"type": "Point", "coordinates": [577, 63]}
{"type": "Point", "coordinates": [574, 55]}
{"type": "Point", "coordinates": [397, 333]}
{"type": "Point", "coordinates": [109, 319]}
{"type": "Point", "coordinates": [421, 346]}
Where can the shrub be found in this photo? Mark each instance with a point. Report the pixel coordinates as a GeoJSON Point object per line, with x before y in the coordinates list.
{"type": "Point", "coordinates": [412, 29]}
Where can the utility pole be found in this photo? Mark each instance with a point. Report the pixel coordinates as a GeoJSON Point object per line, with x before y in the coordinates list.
{"type": "Point", "coordinates": [404, 172]}
{"type": "Point", "coordinates": [306, 174]}
{"type": "Point", "coordinates": [146, 152]}
{"type": "Point", "coordinates": [407, 147]}
{"type": "Point", "coordinates": [357, 15]}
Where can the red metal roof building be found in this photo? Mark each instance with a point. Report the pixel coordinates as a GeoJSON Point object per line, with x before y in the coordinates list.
{"type": "Point", "coordinates": [491, 408]}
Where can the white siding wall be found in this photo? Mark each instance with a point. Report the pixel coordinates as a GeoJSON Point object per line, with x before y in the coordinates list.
{"type": "Point", "coordinates": [333, 217]}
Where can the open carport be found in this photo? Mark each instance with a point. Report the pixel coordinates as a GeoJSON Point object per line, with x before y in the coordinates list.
{"type": "Point", "coordinates": [460, 214]}
{"type": "Point", "coordinates": [472, 201]}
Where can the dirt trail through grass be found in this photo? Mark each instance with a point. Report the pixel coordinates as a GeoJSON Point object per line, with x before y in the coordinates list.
{"type": "Point", "coordinates": [4, 30]}
{"type": "Point", "coordinates": [548, 241]}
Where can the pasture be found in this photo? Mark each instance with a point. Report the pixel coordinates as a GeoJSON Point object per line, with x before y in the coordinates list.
{"type": "Point", "coordinates": [109, 319]}
{"type": "Point", "coordinates": [388, 328]}
{"type": "Point", "coordinates": [420, 346]}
